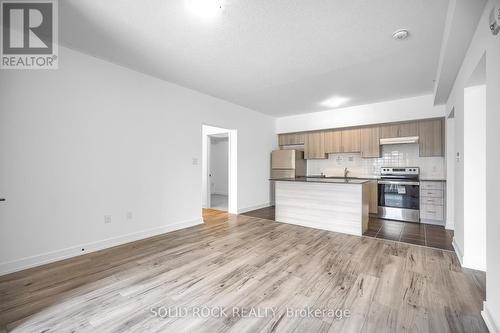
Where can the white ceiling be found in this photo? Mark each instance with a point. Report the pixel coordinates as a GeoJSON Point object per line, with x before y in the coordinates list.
{"type": "Point", "coordinates": [280, 57]}
{"type": "Point", "coordinates": [461, 23]}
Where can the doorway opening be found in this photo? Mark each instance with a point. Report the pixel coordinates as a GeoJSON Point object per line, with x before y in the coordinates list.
{"type": "Point", "coordinates": [219, 172]}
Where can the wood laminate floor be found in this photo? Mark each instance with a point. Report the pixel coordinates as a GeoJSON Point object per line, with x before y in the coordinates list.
{"type": "Point", "coordinates": [214, 216]}
{"type": "Point", "coordinates": [406, 232]}
{"type": "Point", "coordinates": [246, 262]}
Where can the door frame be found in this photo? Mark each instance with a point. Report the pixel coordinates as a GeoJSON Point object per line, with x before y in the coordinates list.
{"type": "Point", "coordinates": [207, 131]}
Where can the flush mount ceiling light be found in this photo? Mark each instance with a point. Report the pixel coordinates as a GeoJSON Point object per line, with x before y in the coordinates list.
{"type": "Point", "coordinates": [335, 101]}
{"type": "Point", "coordinates": [204, 8]}
{"type": "Point", "coordinates": [400, 34]}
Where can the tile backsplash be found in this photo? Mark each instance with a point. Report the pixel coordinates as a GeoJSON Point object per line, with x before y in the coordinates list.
{"type": "Point", "coordinates": [392, 156]}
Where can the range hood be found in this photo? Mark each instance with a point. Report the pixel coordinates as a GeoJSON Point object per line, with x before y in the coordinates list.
{"type": "Point", "coordinates": [397, 141]}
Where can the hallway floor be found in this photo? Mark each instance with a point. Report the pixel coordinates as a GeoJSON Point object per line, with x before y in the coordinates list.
{"type": "Point", "coordinates": [219, 201]}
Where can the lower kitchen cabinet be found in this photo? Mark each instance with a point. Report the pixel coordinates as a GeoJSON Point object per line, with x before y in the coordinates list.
{"type": "Point", "coordinates": [432, 202]}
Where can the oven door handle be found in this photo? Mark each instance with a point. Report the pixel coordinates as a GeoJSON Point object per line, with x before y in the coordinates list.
{"type": "Point", "coordinates": [391, 182]}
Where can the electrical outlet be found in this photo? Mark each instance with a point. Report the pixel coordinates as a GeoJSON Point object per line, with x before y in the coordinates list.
{"type": "Point", "coordinates": [107, 219]}
{"type": "Point", "coordinates": [130, 215]}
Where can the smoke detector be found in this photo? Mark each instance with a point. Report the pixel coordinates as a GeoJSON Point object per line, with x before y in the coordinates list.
{"type": "Point", "coordinates": [400, 34]}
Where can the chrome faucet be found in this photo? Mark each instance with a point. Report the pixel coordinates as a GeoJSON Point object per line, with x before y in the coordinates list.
{"type": "Point", "coordinates": [346, 172]}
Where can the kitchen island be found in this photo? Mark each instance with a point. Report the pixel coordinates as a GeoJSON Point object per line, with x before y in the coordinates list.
{"type": "Point", "coordinates": [333, 204]}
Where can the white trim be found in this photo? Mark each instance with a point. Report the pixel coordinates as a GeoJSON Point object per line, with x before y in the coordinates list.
{"type": "Point", "coordinates": [464, 261]}
{"type": "Point", "coordinates": [488, 319]}
{"type": "Point", "coordinates": [221, 193]}
{"type": "Point", "coordinates": [74, 251]}
{"type": "Point", "coordinates": [432, 222]}
{"type": "Point", "coordinates": [250, 208]}
{"type": "Point", "coordinates": [450, 225]}
{"type": "Point", "coordinates": [232, 194]}
{"type": "Point", "coordinates": [458, 251]}
{"type": "Point", "coordinates": [472, 264]}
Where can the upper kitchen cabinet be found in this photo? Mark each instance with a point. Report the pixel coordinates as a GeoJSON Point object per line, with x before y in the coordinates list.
{"type": "Point", "coordinates": [351, 140]}
{"type": "Point", "coordinates": [431, 137]}
{"type": "Point", "coordinates": [291, 139]}
{"type": "Point", "coordinates": [370, 142]}
{"type": "Point", "coordinates": [333, 141]}
{"type": "Point", "coordinates": [342, 141]}
{"type": "Point", "coordinates": [314, 145]}
{"type": "Point", "coordinates": [399, 130]}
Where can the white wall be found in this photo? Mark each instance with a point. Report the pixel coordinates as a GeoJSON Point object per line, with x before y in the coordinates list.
{"type": "Point", "coordinates": [474, 162]}
{"type": "Point", "coordinates": [450, 173]}
{"type": "Point", "coordinates": [483, 43]}
{"type": "Point", "coordinates": [219, 166]}
{"type": "Point", "coordinates": [413, 108]}
{"type": "Point", "coordinates": [94, 139]}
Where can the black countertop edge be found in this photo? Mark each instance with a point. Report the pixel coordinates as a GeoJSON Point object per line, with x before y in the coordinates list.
{"type": "Point", "coordinates": [432, 180]}
{"type": "Point", "coordinates": [318, 179]}
{"type": "Point", "coordinates": [352, 181]}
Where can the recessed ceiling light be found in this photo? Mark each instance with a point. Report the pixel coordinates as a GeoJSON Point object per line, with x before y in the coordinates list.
{"type": "Point", "coordinates": [335, 101]}
{"type": "Point", "coordinates": [204, 8]}
{"type": "Point", "coordinates": [400, 34]}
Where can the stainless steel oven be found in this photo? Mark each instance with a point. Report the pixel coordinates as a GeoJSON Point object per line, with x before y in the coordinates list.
{"type": "Point", "coordinates": [399, 194]}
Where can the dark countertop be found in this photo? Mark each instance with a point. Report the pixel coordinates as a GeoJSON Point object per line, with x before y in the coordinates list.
{"type": "Point", "coordinates": [432, 180]}
{"type": "Point", "coordinates": [337, 180]}
{"type": "Point", "coordinates": [330, 180]}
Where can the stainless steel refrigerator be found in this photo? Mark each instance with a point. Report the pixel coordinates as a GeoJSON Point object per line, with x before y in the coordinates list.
{"type": "Point", "coordinates": [288, 163]}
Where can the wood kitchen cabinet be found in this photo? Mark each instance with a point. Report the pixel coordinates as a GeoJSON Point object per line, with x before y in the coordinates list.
{"type": "Point", "coordinates": [291, 139]}
{"type": "Point", "coordinates": [399, 130]}
{"type": "Point", "coordinates": [373, 197]}
{"type": "Point", "coordinates": [432, 202]}
{"type": "Point", "coordinates": [366, 139]}
{"type": "Point", "coordinates": [370, 142]}
{"type": "Point", "coordinates": [333, 141]}
{"type": "Point", "coordinates": [351, 140]}
{"type": "Point", "coordinates": [342, 141]}
{"type": "Point", "coordinates": [314, 145]}
{"type": "Point", "coordinates": [431, 137]}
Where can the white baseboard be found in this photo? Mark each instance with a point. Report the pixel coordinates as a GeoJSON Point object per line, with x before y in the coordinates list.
{"type": "Point", "coordinates": [433, 222]}
{"type": "Point", "coordinates": [220, 193]}
{"type": "Point", "coordinates": [465, 261]}
{"type": "Point", "coordinates": [458, 251]}
{"type": "Point", "coordinates": [248, 209]}
{"type": "Point", "coordinates": [488, 319]}
{"type": "Point", "coordinates": [48, 257]}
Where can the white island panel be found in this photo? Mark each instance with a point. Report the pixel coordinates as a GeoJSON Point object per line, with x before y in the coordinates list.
{"type": "Point", "coordinates": [340, 207]}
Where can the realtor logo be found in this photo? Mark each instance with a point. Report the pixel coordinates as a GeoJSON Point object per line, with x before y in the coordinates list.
{"type": "Point", "coordinates": [29, 34]}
